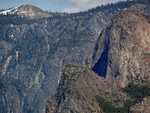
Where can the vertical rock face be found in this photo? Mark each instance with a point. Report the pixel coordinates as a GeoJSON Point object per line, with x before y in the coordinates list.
{"type": "Point", "coordinates": [128, 41]}
{"type": "Point", "coordinates": [121, 57]}
{"type": "Point", "coordinates": [33, 53]}
{"type": "Point", "coordinates": [39, 50]}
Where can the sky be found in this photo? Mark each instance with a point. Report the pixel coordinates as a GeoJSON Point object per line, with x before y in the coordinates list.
{"type": "Point", "coordinates": [57, 5]}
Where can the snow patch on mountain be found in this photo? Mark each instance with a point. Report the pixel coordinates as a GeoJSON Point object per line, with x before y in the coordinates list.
{"type": "Point", "coordinates": [9, 11]}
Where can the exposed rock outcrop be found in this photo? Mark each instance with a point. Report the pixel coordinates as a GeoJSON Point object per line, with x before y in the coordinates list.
{"type": "Point", "coordinates": [78, 89]}
{"type": "Point", "coordinates": [41, 48]}
{"type": "Point", "coordinates": [125, 48]}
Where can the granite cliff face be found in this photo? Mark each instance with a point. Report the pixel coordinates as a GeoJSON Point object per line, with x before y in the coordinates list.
{"type": "Point", "coordinates": [126, 49]}
{"type": "Point", "coordinates": [34, 53]}
{"type": "Point", "coordinates": [121, 57]}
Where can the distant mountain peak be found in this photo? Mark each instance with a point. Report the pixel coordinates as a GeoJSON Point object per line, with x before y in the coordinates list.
{"type": "Point", "coordinates": [27, 10]}
{"type": "Point", "coordinates": [28, 7]}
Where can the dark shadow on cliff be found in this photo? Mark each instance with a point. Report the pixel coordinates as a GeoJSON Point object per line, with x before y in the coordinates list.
{"type": "Point", "coordinates": [101, 66]}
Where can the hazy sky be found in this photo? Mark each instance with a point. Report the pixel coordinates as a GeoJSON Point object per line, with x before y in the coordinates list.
{"type": "Point", "coordinates": [57, 5]}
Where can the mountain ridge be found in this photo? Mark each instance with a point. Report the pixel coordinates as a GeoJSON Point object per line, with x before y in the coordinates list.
{"type": "Point", "coordinates": [82, 90]}
{"type": "Point", "coordinates": [34, 53]}
{"type": "Point", "coordinates": [28, 11]}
